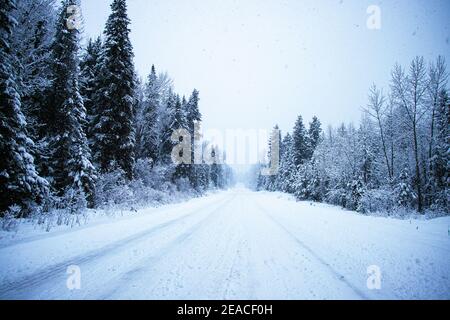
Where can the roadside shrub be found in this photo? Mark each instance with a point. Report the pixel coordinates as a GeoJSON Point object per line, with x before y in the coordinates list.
{"type": "Point", "coordinates": [377, 200]}
{"type": "Point", "coordinates": [111, 189]}
{"type": "Point", "coordinates": [9, 220]}
{"type": "Point", "coordinates": [337, 197]}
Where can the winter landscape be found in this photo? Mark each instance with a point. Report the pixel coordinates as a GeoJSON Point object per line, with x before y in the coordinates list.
{"type": "Point", "coordinates": [300, 150]}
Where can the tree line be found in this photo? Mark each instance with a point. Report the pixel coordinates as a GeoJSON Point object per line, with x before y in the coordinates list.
{"type": "Point", "coordinates": [397, 157]}
{"type": "Point", "coordinates": [78, 127]}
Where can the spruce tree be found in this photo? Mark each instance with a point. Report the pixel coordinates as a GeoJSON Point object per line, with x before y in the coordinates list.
{"type": "Point", "coordinates": [193, 114]}
{"type": "Point", "coordinates": [70, 167]}
{"type": "Point", "coordinates": [89, 82]}
{"type": "Point", "coordinates": [274, 147]}
{"type": "Point", "coordinates": [114, 139]}
{"type": "Point", "coordinates": [19, 182]}
{"type": "Point", "coordinates": [31, 45]}
{"type": "Point", "coordinates": [148, 126]}
{"type": "Point", "coordinates": [404, 190]}
{"type": "Point", "coordinates": [287, 171]}
{"type": "Point", "coordinates": [300, 143]}
{"type": "Point", "coordinates": [314, 136]}
{"type": "Point", "coordinates": [166, 119]}
{"type": "Point", "coordinates": [138, 123]}
{"type": "Point", "coordinates": [216, 169]}
{"type": "Point", "coordinates": [193, 118]}
{"type": "Point", "coordinates": [179, 122]}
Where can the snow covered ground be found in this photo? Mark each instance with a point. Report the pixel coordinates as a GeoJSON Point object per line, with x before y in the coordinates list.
{"type": "Point", "coordinates": [236, 244]}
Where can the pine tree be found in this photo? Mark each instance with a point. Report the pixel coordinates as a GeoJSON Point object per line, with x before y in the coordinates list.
{"type": "Point", "coordinates": [301, 183]}
{"type": "Point", "coordinates": [193, 114]}
{"type": "Point", "coordinates": [148, 126]}
{"type": "Point", "coordinates": [19, 182]}
{"type": "Point", "coordinates": [316, 188]}
{"type": "Point", "coordinates": [216, 170]}
{"type": "Point", "coordinates": [193, 118]}
{"type": "Point", "coordinates": [203, 171]}
{"type": "Point", "coordinates": [300, 142]}
{"type": "Point", "coordinates": [166, 125]}
{"type": "Point", "coordinates": [286, 175]}
{"type": "Point", "coordinates": [404, 190]}
{"type": "Point", "coordinates": [70, 167]}
{"type": "Point", "coordinates": [179, 115]}
{"type": "Point", "coordinates": [274, 147]}
{"type": "Point", "coordinates": [314, 136]}
{"type": "Point", "coordinates": [354, 194]}
{"type": "Point", "coordinates": [138, 121]}
{"type": "Point", "coordinates": [179, 122]}
{"type": "Point", "coordinates": [114, 138]}
{"type": "Point", "coordinates": [89, 82]}
{"type": "Point", "coordinates": [31, 45]}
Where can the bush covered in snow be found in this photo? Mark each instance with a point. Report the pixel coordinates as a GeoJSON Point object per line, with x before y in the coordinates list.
{"type": "Point", "coordinates": [377, 200]}
{"type": "Point", "coordinates": [9, 221]}
{"type": "Point", "coordinates": [337, 197]}
{"type": "Point", "coordinates": [151, 188]}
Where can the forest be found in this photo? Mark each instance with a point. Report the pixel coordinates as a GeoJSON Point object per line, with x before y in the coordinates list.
{"type": "Point", "coordinates": [395, 160]}
{"type": "Point", "coordinates": [79, 128]}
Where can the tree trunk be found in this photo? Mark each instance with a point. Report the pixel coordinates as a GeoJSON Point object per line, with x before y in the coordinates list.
{"type": "Point", "coordinates": [384, 147]}
{"type": "Point", "coordinates": [418, 175]}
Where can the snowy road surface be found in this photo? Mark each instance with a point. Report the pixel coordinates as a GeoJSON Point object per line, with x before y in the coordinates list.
{"type": "Point", "coordinates": [233, 245]}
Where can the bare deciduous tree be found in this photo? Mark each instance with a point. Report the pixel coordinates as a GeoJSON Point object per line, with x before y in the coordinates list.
{"type": "Point", "coordinates": [409, 92]}
{"type": "Point", "coordinates": [376, 109]}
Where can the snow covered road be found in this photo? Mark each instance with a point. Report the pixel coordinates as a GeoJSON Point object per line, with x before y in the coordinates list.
{"type": "Point", "coordinates": [237, 244]}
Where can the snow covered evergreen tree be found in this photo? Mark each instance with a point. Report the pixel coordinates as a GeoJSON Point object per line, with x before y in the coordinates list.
{"type": "Point", "coordinates": [89, 82]}
{"type": "Point", "coordinates": [274, 147]}
{"type": "Point", "coordinates": [193, 118]}
{"type": "Point", "coordinates": [203, 172]}
{"type": "Point", "coordinates": [138, 112]}
{"type": "Point", "coordinates": [301, 183]}
{"type": "Point", "coordinates": [216, 169]}
{"type": "Point", "coordinates": [31, 46]}
{"type": "Point", "coordinates": [193, 114]}
{"type": "Point", "coordinates": [404, 191]}
{"type": "Point", "coordinates": [70, 167]}
{"type": "Point", "coordinates": [20, 183]}
{"type": "Point", "coordinates": [314, 135]}
{"type": "Point", "coordinates": [114, 139]}
{"type": "Point", "coordinates": [147, 125]}
{"type": "Point", "coordinates": [287, 172]}
{"type": "Point", "coordinates": [354, 194]}
{"type": "Point", "coordinates": [166, 119]}
{"type": "Point", "coordinates": [179, 122]}
{"type": "Point", "coordinates": [179, 115]}
{"type": "Point", "coordinates": [300, 142]}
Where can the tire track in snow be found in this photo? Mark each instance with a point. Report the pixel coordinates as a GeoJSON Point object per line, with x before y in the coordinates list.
{"type": "Point", "coordinates": [91, 225]}
{"type": "Point", "coordinates": [135, 273]}
{"type": "Point", "coordinates": [48, 273]}
{"type": "Point", "coordinates": [338, 276]}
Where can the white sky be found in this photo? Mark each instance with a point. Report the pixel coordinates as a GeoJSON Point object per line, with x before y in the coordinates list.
{"type": "Point", "coordinates": [261, 62]}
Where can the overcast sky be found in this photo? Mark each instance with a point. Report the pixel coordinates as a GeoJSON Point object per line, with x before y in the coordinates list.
{"type": "Point", "coordinates": [261, 62]}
